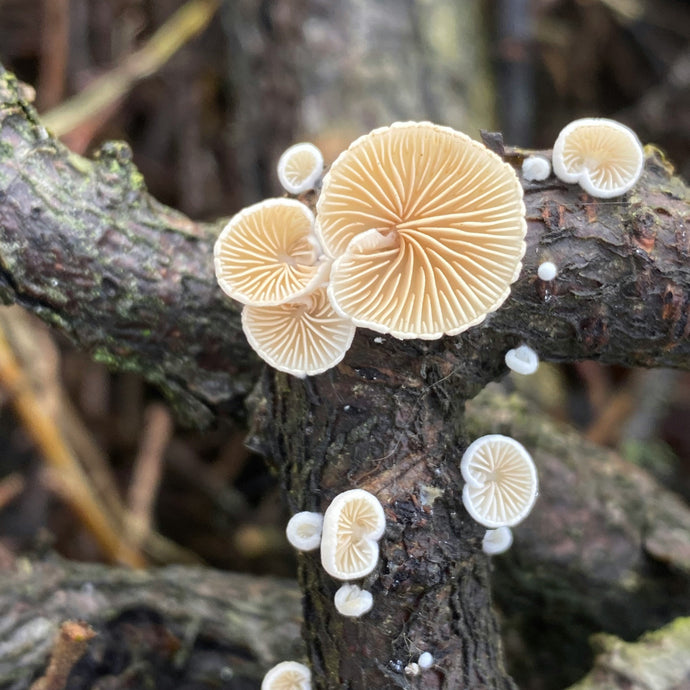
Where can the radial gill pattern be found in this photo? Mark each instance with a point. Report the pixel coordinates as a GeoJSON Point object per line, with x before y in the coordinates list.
{"type": "Point", "coordinates": [501, 481]}
{"type": "Point", "coordinates": [426, 227]}
{"type": "Point", "coordinates": [603, 156]}
{"type": "Point", "coordinates": [302, 338]}
{"type": "Point", "coordinates": [353, 524]}
{"type": "Point", "coordinates": [300, 167]}
{"type": "Point", "coordinates": [267, 254]}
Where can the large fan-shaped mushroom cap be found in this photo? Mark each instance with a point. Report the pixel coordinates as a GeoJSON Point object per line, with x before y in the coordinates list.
{"type": "Point", "coordinates": [604, 156]}
{"type": "Point", "coordinates": [267, 254]}
{"type": "Point", "coordinates": [303, 338]}
{"type": "Point", "coordinates": [426, 227]}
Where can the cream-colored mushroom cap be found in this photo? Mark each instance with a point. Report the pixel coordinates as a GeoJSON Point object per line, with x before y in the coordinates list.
{"type": "Point", "coordinates": [287, 675]}
{"type": "Point", "coordinates": [603, 156]}
{"type": "Point", "coordinates": [352, 525]}
{"type": "Point", "coordinates": [426, 227]}
{"type": "Point", "coordinates": [304, 337]}
{"type": "Point", "coordinates": [303, 530]}
{"type": "Point", "coordinates": [501, 483]}
{"type": "Point", "coordinates": [300, 167]}
{"type": "Point", "coordinates": [352, 601]}
{"type": "Point", "coordinates": [497, 540]}
{"type": "Point", "coordinates": [267, 254]}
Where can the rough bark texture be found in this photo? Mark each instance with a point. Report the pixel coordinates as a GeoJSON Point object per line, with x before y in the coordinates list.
{"type": "Point", "coordinates": [176, 627]}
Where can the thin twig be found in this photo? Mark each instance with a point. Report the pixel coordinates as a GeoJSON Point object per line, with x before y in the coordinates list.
{"type": "Point", "coordinates": [50, 441]}
{"type": "Point", "coordinates": [10, 487]}
{"type": "Point", "coordinates": [109, 88]}
{"type": "Point", "coordinates": [69, 647]}
{"type": "Point", "coordinates": [148, 466]}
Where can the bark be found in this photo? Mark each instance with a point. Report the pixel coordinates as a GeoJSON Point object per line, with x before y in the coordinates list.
{"type": "Point", "coordinates": [174, 627]}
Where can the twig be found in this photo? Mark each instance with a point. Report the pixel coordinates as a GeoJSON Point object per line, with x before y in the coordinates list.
{"type": "Point", "coordinates": [10, 487]}
{"type": "Point", "coordinates": [54, 51]}
{"type": "Point", "coordinates": [147, 471]}
{"type": "Point", "coordinates": [69, 647]}
{"type": "Point", "coordinates": [107, 89]}
{"type": "Point", "coordinates": [48, 438]}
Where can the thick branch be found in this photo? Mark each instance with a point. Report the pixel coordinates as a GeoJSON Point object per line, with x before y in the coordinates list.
{"type": "Point", "coordinates": [131, 281]}
{"type": "Point", "coordinates": [193, 627]}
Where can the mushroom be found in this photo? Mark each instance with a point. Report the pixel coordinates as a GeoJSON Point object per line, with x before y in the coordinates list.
{"type": "Point", "coordinates": [501, 483]}
{"type": "Point", "coordinates": [267, 254]}
{"type": "Point", "coordinates": [352, 525]}
{"type": "Point", "coordinates": [547, 271]}
{"type": "Point", "coordinates": [287, 675]}
{"type": "Point", "coordinates": [497, 540]}
{"type": "Point", "coordinates": [300, 167]}
{"type": "Point", "coordinates": [426, 660]}
{"type": "Point", "coordinates": [536, 168]}
{"type": "Point", "coordinates": [352, 601]}
{"type": "Point", "coordinates": [303, 530]}
{"type": "Point", "coordinates": [603, 156]}
{"type": "Point", "coordinates": [426, 228]}
{"type": "Point", "coordinates": [522, 360]}
{"type": "Point", "coordinates": [303, 337]}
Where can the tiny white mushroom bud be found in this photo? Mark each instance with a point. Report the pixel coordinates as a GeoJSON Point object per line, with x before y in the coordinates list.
{"type": "Point", "coordinates": [497, 540]}
{"type": "Point", "coordinates": [352, 601]}
{"type": "Point", "coordinates": [536, 168]}
{"type": "Point", "coordinates": [547, 270]}
{"type": "Point", "coordinates": [303, 530]}
{"type": "Point", "coordinates": [287, 675]}
{"type": "Point", "coordinates": [426, 660]}
{"type": "Point", "coordinates": [522, 360]}
{"type": "Point", "coordinates": [412, 669]}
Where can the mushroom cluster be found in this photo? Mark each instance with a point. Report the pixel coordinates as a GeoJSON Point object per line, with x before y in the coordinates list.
{"type": "Point", "coordinates": [418, 233]}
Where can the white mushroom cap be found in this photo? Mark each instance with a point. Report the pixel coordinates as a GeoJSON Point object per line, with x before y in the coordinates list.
{"type": "Point", "coordinates": [352, 525]}
{"type": "Point", "coordinates": [536, 168]}
{"type": "Point", "coordinates": [426, 227]}
{"type": "Point", "coordinates": [304, 337]}
{"type": "Point", "coordinates": [352, 601]}
{"type": "Point", "coordinates": [501, 482]}
{"type": "Point", "coordinates": [522, 360]}
{"type": "Point", "coordinates": [267, 254]}
{"type": "Point", "coordinates": [303, 530]}
{"type": "Point", "coordinates": [603, 156]}
{"type": "Point", "coordinates": [287, 675]}
{"type": "Point", "coordinates": [547, 270]}
{"type": "Point", "coordinates": [426, 660]}
{"type": "Point", "coordinates": [300, 167]}
{"type": "Point", "coordinates": [497, 540]}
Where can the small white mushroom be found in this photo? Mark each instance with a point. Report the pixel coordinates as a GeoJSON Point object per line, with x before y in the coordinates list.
{"type": "Point", "coordinates": [300, 167]}
{"type": "Point", "coordinates": [352, 601]}
{"type": "Point", "coordinates": [547, 270]}
{"type": "Point", "coordinates": [412, 669]}
{"type": "Point", "coordinates": [352, 525]}
{"type": "Point", "coordinates": [287, 675]}
{"type": "Point", "coordinates": [426, 660]}
{"type": "Point", "coordinates": [501, 482]}
{"type": "Point", "coordinates": [603, 156]}
{"type": "Point", "coordinates": [303, 530]}
{"type": "Point", "coordinates": [536, 168]}
{"type": "Point", "coordinates": [497, 540]}
{"type": "Point", "coordinates": [522, 360]}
